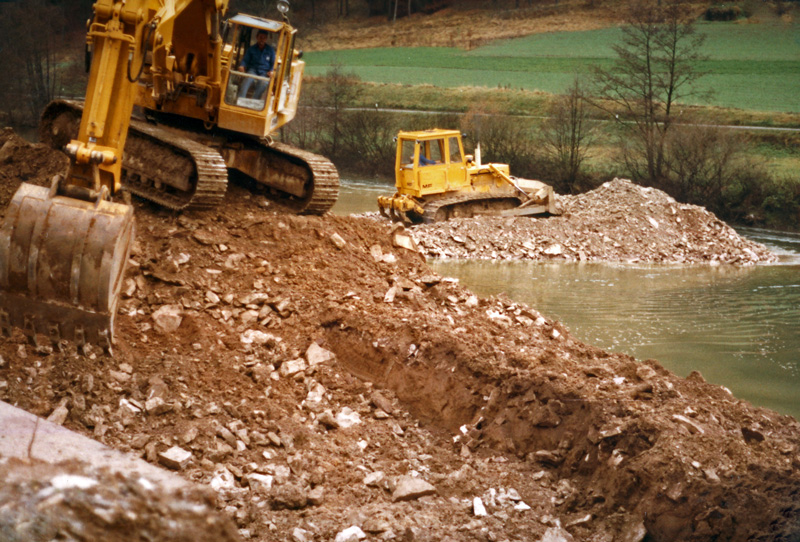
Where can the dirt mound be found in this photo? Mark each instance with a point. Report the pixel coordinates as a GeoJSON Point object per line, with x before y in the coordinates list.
{"type": "Point", "coordinates": [329, 385]}
{"type": "Point", "coordinates": [22, 162]}
{"type": "Point", "coordinates": [617, 222]}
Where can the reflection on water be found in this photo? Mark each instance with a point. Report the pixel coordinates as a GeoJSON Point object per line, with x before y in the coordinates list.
{"type": "Point", "coordinates": [740, 327]}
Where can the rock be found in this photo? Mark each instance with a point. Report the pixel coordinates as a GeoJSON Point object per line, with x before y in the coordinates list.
{"type": "Point", "coordinates": [381, 402]}
{"type": "Point", "coordinates": [376, 252]}
{"type": "Point", "coordinates": [351, 534]}
{"type": "Point", "coordinates": [328, 420]}
{"type": "Point", "coordinates": [375, 479]}
{"type": "Point", "coordinates": [60, 413]}
{"type": "Point", "coordinates": [478, 508]}
{"type": "Point", "coordinates": [315, 355]}
{"type": "Point", "coordinates": [409, 488]}
{"type": "Point", "coordinates": [260, 482]}
{"type": "Point", "coordinates": [691, 425]}
{"type": "Point", "coordinates": [175, 458]}
{"type": "Point", "coordinates": [225, 434]}
{"type": "Point", "coordinates": [168, 318]}
{"type": "Point", "coordinates": [347, 418]}
{"type": "Point", "coordinates": [316, 496]}
{"type": "Point", "coordinates": [292, 367]}
{"type": "Point", "coordinates": [338, 241]}
{"type": "Point", "coordinates": [556, 534]}
{"type": "Point", "coordinates": [254, 336]}
{"type": "Point", "coordinates": [222, 479]}
{"type": "Point", "coordinates": [289, 497]}
{"type": "Point", "coordinates": [402, 239]}
{"type": "Point", "coordinates": [156, 406]}
{"type": "Point", "coordinates": [301, 535]}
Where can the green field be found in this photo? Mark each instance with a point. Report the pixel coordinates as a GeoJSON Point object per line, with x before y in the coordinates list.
{"type": "Point", "coordinates": [751, 66]}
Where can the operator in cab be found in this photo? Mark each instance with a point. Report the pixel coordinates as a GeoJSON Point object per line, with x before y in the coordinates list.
{"type": "Point", "coordinates": [259, 59]}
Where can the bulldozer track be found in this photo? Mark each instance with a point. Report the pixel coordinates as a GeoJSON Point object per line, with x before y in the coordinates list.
{"type": "Point", "coordinates": [448, 205]}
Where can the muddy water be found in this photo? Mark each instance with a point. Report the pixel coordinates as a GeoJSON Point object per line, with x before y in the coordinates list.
{"type": "Point", "coordinates": [740, 327]}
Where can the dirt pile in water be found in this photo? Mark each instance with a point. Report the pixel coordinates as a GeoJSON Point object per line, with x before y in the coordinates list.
{"type": "Point", "coordinates": [329, 385]}
{"type": "Point", "coordinates": [618, 222]}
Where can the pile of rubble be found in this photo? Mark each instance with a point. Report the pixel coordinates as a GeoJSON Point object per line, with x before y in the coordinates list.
{"type": "Point", "coordinates": [327, 385]}
{"type": "Point", "coordinates": [617, 222]}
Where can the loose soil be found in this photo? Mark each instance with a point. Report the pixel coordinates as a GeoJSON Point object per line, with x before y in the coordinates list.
{"type": "Point", "coordinates": [324, 378]}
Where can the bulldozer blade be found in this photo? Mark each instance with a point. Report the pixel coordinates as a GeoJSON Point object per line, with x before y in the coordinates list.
{"type": "Point", "coordinates": [62, 261]}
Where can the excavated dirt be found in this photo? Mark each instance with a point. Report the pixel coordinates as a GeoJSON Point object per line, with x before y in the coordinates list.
{"type": "Point", "coordinates": [330, 386]}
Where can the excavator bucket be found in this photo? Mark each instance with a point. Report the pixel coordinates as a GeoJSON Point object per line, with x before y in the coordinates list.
{"type": "Point", "coordinates": [61, 265]}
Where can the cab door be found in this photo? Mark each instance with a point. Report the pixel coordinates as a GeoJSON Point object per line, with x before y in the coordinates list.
{"type": "Point", "coordinates": [456, 165]}
{"type": "Point", "coordinates": [432, 166]}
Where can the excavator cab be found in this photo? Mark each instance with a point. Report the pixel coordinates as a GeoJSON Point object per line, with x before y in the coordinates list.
{"type": "Point", "coordinates": [252, 103]}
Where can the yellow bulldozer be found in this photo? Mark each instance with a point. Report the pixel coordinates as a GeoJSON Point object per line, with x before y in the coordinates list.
{"type": "Point", "coordinates": [201, 111]}
{"type": "Point", "coordinates": [436, 181]}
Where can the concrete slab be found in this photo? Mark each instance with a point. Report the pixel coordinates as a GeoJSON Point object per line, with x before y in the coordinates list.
{"type": "Point", "coordinates": [54, 443]}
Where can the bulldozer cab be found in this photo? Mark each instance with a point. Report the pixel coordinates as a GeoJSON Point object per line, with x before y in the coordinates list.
{"type": "Point", "coordinates": [258, 100]}
{"type": "Point", "coordinates": [430, 162]}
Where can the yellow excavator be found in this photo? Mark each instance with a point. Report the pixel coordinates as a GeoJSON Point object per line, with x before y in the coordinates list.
{"type": "Point", "coordinates": [63, 249]}
{"type": "Point", "coordinates": [436, 181]}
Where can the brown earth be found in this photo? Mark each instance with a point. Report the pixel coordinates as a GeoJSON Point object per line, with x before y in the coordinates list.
{"type": "Point", "coordinates": [324, 378]}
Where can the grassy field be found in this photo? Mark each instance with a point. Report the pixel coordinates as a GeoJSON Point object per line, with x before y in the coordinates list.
{"type": "Point", "coordinates": [750, 66]}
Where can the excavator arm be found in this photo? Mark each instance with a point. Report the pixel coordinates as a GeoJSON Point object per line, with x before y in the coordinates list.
{"type": "Point", "coordinates": [63, 249]}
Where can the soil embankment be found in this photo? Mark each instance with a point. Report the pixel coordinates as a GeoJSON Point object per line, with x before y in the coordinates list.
{"type": "Point", "coordinates": [327, 384]}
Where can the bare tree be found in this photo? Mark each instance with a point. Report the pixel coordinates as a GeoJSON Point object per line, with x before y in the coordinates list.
{"type": "Point", "coordinates": [340, 92]}
{"type": "Point", "coordinates": [656, 67]}
{"type": "Point", "coordinates": [567, 135]}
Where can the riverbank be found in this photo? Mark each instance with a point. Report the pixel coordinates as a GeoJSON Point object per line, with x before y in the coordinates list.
{"type": "Point", "coordinates": [321, 378]}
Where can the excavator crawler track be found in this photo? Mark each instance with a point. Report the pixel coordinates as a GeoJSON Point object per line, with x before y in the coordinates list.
{"type": "Point", "coordinates": [322, 182]}
{"type": "Point", "coordinates": [171, 170]}
{"type": "Point", "coordinates": [168, 166]}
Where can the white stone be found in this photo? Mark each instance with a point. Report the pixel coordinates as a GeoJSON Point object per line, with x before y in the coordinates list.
{"type": "Point", "coordinates": [315, 355]}
{"type": "Point", "coordinates": [478, 508]}
{"type": "Point", "coordinates": [374, 479]}
{"type": "Point", "coordinates": [351, 534]}
{"type": "Point", "coordinates": [223, 479]}
{"type": "Point", "coordinates": [175, 458]}
{"type": "Point", "coordinates": [410, 488]}
{"type": "Point", "coordinates": [255, 336]}
{"type": "Point", "coordinates": [168, 318]}
{"type": "Point", "coordinates": [292, 367]}
{"type": "Point", "coordinates": [338, 241]}
{"type": "Point", "coordinates": [347, 418]}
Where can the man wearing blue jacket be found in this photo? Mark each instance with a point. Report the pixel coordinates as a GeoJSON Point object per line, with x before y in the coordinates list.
{"type": "Point", "coordinates": [259, 59]}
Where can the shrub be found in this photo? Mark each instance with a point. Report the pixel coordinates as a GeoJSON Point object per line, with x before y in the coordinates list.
{"type": "Point", "coordinates": [723, 13]}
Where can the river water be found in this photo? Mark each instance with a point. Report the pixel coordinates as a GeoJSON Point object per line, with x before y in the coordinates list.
{"type": "Point", "coordinates": [739, 327]}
